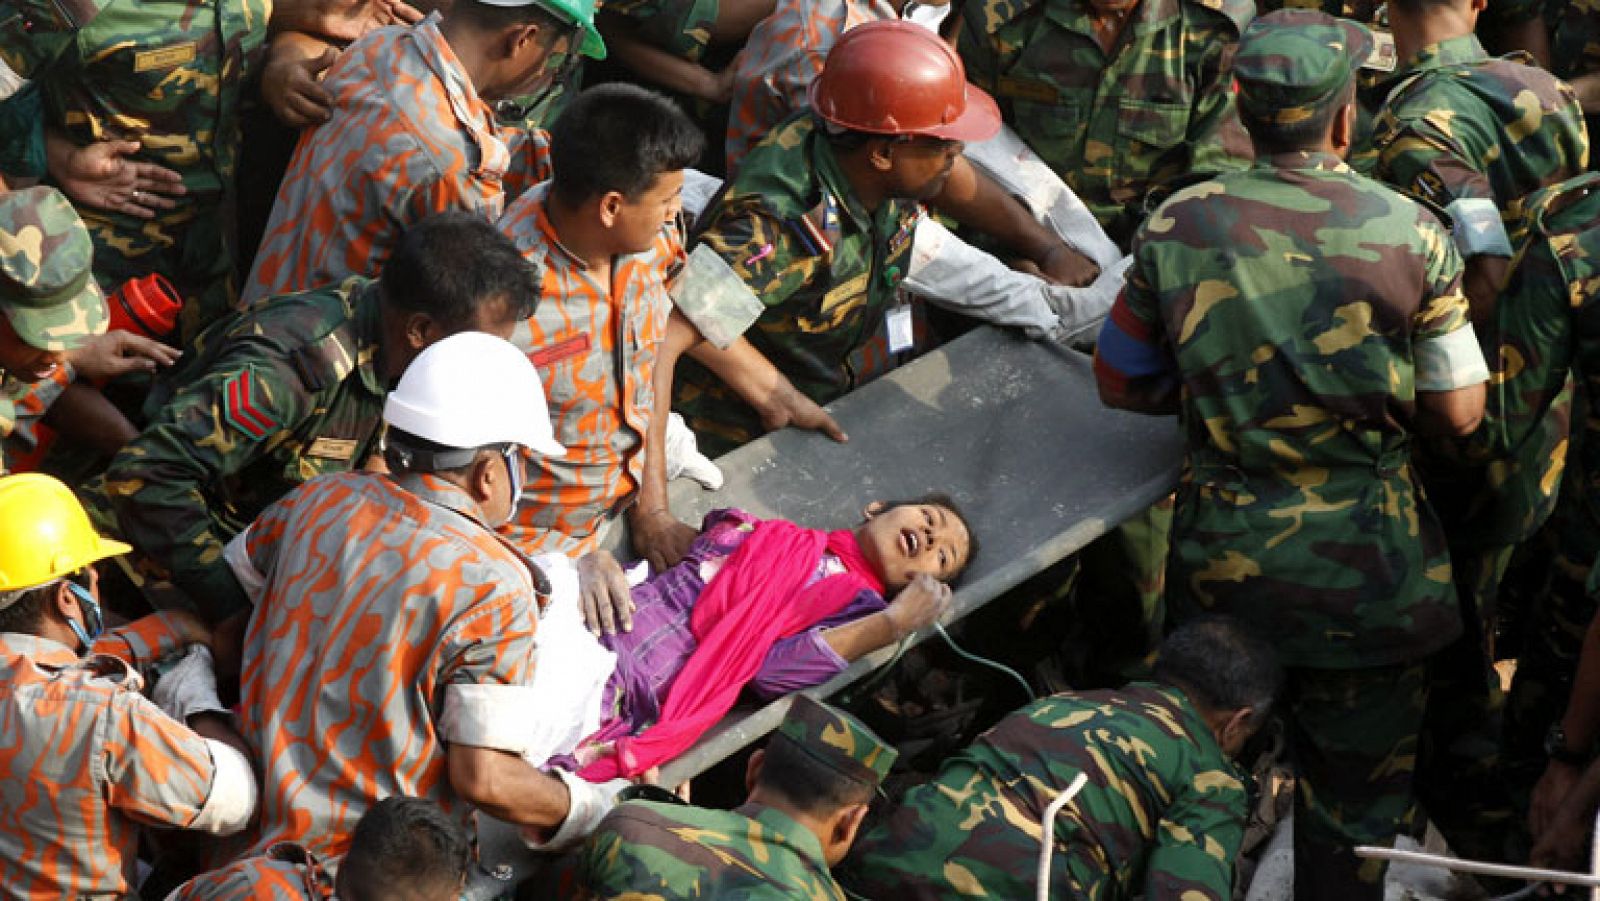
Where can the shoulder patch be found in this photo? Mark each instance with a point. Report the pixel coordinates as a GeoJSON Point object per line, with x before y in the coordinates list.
{"type": "Point", "coordinates": [242, 407]}
{"type": "Point", "coordinates": [1430, 187]}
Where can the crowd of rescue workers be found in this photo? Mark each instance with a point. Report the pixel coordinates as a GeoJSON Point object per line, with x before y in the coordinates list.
{"type": "Point", "coordinates": [349, 348]}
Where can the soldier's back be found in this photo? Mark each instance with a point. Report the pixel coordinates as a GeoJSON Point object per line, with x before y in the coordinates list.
{"type": "Point", "coordinates": [660, 852]}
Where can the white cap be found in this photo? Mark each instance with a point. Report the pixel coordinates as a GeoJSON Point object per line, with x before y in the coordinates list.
{"type": "Point", "coordinates": [472, 390]}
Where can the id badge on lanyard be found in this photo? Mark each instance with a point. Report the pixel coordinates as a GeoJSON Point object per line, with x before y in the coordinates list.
{"type": "Point", "coordinates": [898, 322]}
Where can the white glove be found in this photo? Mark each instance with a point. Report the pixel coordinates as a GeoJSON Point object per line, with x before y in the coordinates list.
{"type": "Point", "coordinates": [684, 457]}
{"type": "Point", "coordinates": [589, 804]}
{"type": "Point", "coordinates": [190, 687]}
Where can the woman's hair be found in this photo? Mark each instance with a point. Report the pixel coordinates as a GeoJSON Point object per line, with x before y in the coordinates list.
{"type": "Point", "coordinates": [946, 502]}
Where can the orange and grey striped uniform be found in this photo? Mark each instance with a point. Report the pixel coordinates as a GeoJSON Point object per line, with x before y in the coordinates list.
{"type": "Point", "coordinates": [409, 137]}
{"type": "Point", "coordinates": [780, 60]}
{"type": "Point", "coordinates": [389, 622]}
{"type": "Point", "coordinates": [596, 355]}
{"type": "Point", "coordinates": [287, 872]}
{"type": "Point", "coordinates": [85, 759]}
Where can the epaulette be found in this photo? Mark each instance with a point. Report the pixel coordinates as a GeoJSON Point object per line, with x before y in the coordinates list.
{"type": "Point", "coordinates": [325, 362]}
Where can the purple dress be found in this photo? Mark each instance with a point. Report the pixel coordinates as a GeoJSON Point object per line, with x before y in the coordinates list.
{"type": "Point", "coordinates": [652, 655]}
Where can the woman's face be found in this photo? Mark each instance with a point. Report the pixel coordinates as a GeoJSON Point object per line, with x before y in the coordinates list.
{"type": "Point", "coordinates": [909, 540]}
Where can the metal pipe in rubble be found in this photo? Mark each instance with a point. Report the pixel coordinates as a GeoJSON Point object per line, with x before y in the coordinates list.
{"type": "Point", "coordinates": [1505, 871]}
{"type": "Point", "coordinates": [1047, 834]}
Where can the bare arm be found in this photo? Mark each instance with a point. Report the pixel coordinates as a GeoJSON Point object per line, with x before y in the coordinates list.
{"type": "Point", "coordinates": [507, 787]}
{"type": "Point", "coordinates": [83, 415]}
{"type": "Point", "coordinates": [1481, 282]}
{"type": "Point", "coordinates": [657, 535]}
{"type": "Point", "coordinates": [1457, 412]}
{"type": "Point", "coordinates": [978, 201]}
{"type": "Point", "coordinates": [917, 606]}
{"type": "Point", "coordinates": [664, 69]}
{"type": "Point", "coordinates": [758, 383]}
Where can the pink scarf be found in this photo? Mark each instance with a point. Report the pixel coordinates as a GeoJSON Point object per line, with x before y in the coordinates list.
{"type": "Point", "coordinates": [758, 598]}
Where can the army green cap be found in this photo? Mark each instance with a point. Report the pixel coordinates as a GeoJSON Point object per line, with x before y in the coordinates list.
{"type": "Point", "coordinates": [47, 287]}
{"type": "Point", "coordinates": [1292, 63]}
{"type": "Point", "coordinates": [837, 739]}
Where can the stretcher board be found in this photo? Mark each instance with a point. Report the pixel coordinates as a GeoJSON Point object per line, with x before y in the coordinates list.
{"type": "Point", "coordinates": [1012, 429]}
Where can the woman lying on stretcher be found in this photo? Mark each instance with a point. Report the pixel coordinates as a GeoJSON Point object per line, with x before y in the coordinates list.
{"type": "Point", "coordinates": [759, 602]}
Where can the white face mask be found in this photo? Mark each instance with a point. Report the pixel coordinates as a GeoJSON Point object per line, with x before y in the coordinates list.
{"type": "Point", "coordinates": [926, 15]}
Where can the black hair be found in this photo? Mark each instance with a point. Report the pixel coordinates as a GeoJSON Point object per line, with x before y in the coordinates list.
{"type": "Point", "coordinates": [405, 452]}
{"type": "Point", "coordinates": [26, 613]}
{"type": "Point", "coordinates": [1221, 665]}
{"type": "Point", "coordinates": [450, 264]}
{"type": "Point", "coordinates": [804, 782]}
{"type": "Point", "coordinates": [487, 17]}
{"type": "Point", "coordinates": [945, 501]}
{"type": "Point", "coordinates": [619, 137]}
{"type": "Point", "coordinates": [1306, 134]}
{"type": "Point", "coordinates": [403, 841]}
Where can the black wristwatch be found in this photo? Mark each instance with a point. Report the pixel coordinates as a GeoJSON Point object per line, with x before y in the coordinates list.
{"type": "Point", "coordinates": [1556, 748]}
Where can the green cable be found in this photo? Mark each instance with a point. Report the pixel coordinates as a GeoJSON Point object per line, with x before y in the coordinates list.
{"type": "Point", "coordinates": [984, 661]}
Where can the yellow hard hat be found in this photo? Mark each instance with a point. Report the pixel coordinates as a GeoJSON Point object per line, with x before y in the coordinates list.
{"type": "Point", "coordinates": [44, 533]}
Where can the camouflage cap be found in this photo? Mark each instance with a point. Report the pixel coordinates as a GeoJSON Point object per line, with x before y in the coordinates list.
{"type": "Point", "coordinates": [1292, 63]}
{"type": "Point", "coordinates": [837, 739]}
{"type": "Point", "coordinates": [47, 287]}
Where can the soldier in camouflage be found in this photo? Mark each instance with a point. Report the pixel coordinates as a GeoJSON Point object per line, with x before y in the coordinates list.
{"type": "Point", "coordinates": [809, 791]}
{"type": "Point", "coordinates": [817, 228]}
{"type": "Point", "coordinates": [1473, 135]}
{"type": "Point", "coordinates": [1162, 814]}
{"type": "Point", "coordinates": [292, 388]}
{"type": "Point", "coordinates": [1305, 322]}
{"type": "Point", "coordinates": [1544, 330]}
{"type": "Point", "coordinates": [1118, 96]}
{"type": "Point", "coordinates": [51, 341]}
{"type": "Point", "coordinates": [50, 302]}
{"type": "Point", "coordinates": [159, 84]}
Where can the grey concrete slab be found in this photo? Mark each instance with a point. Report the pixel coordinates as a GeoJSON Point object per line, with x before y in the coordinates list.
{"type": "Point", "coordinates": [1012, 429]}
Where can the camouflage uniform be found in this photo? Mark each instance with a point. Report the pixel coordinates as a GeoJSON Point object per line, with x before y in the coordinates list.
{"type": "Point", "coordinates": [680, 27]}
{"type": "Point", "coordinates": [48, 296]}
{"type": "Point", "coordinates": [1473, 135]}
{"type": "Point", "coordinates": [270, 397]}
{"type": "Point", "coordinates": [1544, 326]}
{"type": "Point", "coordinates": [826, 270]}
{"type": "Point", "coordinates": [170, 74]}
{"type": "Point", "coordinates": [351, 568]}
{"type": "Point", "coordinates": [1113, 126]}
{"type": "Point", "coordinates": [1163, 821]}
{"type": "Point", "coordinates": [1299, 341]}
{"type": "Point", "coordinates": [646, 851]}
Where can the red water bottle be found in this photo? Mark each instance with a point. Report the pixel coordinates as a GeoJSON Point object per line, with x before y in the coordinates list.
{"type": "Point", "coordinates": [146, 306]}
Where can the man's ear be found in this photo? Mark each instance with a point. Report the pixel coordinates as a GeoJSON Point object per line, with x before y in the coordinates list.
{"type": "Point", "coordinates": [1238, 727]}
{"type": "Point", "coordinates": [842, 832]}
{"type": "Point", "coordinates": [882, 156]}
{"type": "Point", "coordinates": [519, 38]}
{"type": "Point", "coordinates": [484, 476]}
{"type": "Point", "coordinates": [420, 331]}
{"type": "Point", "coordinates": [752, 770]}
{"type": "Point", "coordinates": [611, 204]}
{"type": "Point", "coordinates": [873, 508]}
{"type": "Point", "coordinates": [65, 603]}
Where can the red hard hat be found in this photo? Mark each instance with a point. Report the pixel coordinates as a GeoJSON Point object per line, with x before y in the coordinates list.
{"type": "Point", "coordinates": [898, 78]}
